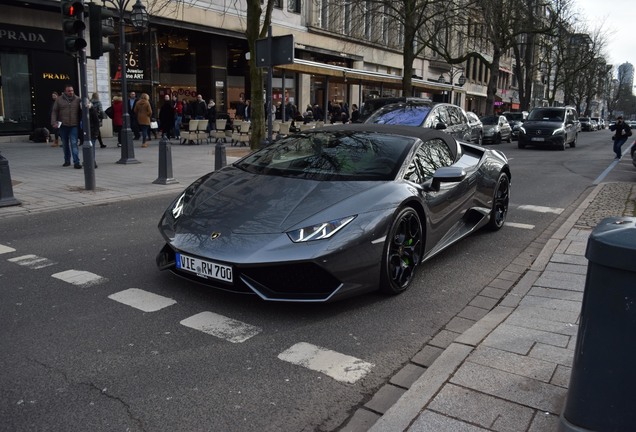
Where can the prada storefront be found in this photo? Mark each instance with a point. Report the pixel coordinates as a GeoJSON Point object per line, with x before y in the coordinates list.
{"type": "Point", "coordinates": [32, 66]}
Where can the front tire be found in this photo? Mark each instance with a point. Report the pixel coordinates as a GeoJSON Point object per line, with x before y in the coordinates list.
{"type": "Point", "coordinates": [402, 252]}
{"type": "Point", "coordinates": [573, 143]}
{"type": "Point", "coordinates": [500, 202]}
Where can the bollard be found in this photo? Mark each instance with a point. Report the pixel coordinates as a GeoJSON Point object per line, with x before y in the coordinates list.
{"type": "Point", "coordinates": [6, 188]}
{"type": "Point", "coordinates": [603, 379]}
{"type": "Point", "coordinates": [165, 163]}
{"type": "Point", "coordinates": [220, 156]}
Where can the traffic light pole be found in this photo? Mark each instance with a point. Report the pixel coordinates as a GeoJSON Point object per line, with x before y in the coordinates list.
{"type": "Point", "coordinates": [127, 145]}
{"type": "Point", "coordinates": [88, 149]}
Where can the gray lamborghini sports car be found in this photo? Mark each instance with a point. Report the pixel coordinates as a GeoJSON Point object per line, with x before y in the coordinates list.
{"type": "Point", "coordinates": [333, 212]}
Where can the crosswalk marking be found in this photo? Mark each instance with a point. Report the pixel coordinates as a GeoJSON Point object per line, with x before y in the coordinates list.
{"type": "Point", "coordinates": [338, 366]}
{"type": "Point", "coordinates": [540, 209]}
{"type": "Point", "coordinates": [519, 225]}
{"type": "Point", "coordinates": [5, 249]}
{"type": "Point", "coordinates": [142, 300]}
{"type": "Point", "coordinates": [221, 327]}
{"type": "Point", "coordinates": [79, 277]}
{"type": "Point", "coordinates": [32, 261]}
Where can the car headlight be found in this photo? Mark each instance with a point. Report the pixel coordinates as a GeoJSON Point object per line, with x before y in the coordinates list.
{"type": "Point", "coordinates": [177, 209]}
{"type": "Point", "coordinates": [559, 131]}
{"type": "Point", "coordinates": [522, 130]}
{"type": "Point", "coordinates": [319, 231]}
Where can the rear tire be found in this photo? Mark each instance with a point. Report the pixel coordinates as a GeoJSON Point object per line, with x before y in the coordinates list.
{"type": "Point", "coordinates": [402, 252]}
{"type": "Point", "coordinates": [500, 203]}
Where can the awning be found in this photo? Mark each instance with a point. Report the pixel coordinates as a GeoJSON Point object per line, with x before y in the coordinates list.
{"type": "Point", "coordinates": [364, 77]}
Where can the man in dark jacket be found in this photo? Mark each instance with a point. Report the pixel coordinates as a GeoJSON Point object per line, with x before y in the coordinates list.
{"type": "Point", "coordinates": [200, 109]}
{"type": "Point", "coordinates": [65, 115]}
{"type": "Point", "coordinates": [622, 132]}
{"type": "Point", "coordinates": [166, 117]}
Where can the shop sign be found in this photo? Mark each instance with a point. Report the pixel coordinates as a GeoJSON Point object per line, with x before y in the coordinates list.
{"type": "Point", "coordinates": [56, 76]}
{"type": "Point", "coordinates": [30, 37]}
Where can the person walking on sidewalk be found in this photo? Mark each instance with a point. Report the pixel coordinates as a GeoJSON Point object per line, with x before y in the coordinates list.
{"type": "Point", "coordinates": [116, 112]}
{"type": "Point", "coordinates": [166, 117]}
{"type": "Point", "coordinates": [97, 104]}
{"type": "Point", "coordinates": [622, 132]}
{"type": "Point", "coordinates": [143, 113]}
{"type": "Point", "coordinates": [132, 103]}
{"type": "Point", "coordinates": [65, 116]}
{"type": "Point", "coordinates": [54, 97]}
{"type": "Point", "coordinates": [178, 115]}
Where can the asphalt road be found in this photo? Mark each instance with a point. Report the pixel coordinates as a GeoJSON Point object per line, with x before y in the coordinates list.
{"type": "Point", "coordinates": [75, 359]}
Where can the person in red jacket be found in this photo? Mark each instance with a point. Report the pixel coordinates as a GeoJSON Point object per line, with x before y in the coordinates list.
{"type": "Point", "coordinates": [178, 115]}
{"type": "Point", "coordinates": [117, 117]}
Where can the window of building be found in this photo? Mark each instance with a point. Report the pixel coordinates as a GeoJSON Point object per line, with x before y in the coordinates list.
{"type": "Point", "coordinates": [293, 6]}
{"type": "Point", "coordinates": [16, 112]}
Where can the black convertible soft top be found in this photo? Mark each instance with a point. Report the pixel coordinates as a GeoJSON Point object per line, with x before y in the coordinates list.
{"type": "Point", "coordinates": [423, 134]}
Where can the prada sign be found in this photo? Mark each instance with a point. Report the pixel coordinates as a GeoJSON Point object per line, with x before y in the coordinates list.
{"type": "Point", "coordinates": [30, 37]}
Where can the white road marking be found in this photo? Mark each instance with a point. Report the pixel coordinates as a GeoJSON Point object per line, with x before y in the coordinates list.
{"type": "Point", "coordinates": [519, 225]}
{"type": "Point", "coordinates": [79, 277]}
{"type": "Point", "coordinates": [540, 209]}
{"type": "Point", "coordinates": [221, 327]}
{"type": "Point", "coordinates": [32, 261]}
{"type": "Point", "coordinates": [338, 366]}
{"type": "Point", "coordinates": [142, 300]}
{"type": "Point", "coordinates": [5, 249]}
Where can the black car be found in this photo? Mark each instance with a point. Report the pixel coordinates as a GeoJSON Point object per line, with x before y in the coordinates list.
{"type": "Point", "coordinates": [371, 105]}
{"type": "Point", "coordinates": [516, 119]}
{"type": "Point", "coordinates": [586, 124]}
{"type": "Point", "coordinates": [550, 126]}
{"type": "Point", "coordinates": [441, 116]}
{"type": "Point", "coordinates": [333, 212]}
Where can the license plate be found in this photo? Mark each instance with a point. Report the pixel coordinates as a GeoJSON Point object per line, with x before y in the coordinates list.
{"type": "Point", "coordinates": [537, 139]}
{"type": "Point", "coordinates": [203, 268]}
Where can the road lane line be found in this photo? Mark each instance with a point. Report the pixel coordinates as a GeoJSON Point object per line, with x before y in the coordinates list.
{"type": "Point", "coordinates": [221, 327]}
{"type": "Point", "coordinates": [142, 300]}
{"type": "Point", "coordinates": [541, 209]}
{"type": "Point", "coordinates": [5, 249]}
{"type": "Point", "coordinates": [79, 277]}
{"type": "Point", "coordinates": [338, 366]}
{"type": "Point", "coordinates": [32, 261]}
{"type": "Point", "coordinates": [519, 225]}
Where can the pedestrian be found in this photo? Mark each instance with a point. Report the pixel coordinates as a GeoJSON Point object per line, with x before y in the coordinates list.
{"type": "Point", "coordinates": [186, 110]}
{"type": "Point", "coordinates": [355, 114]}
{"type": "Point", "coordinates": [622, 132]}
{"type": "Point", "coordinates": [166, 117]}
{"type": "Point", "coordinates": [247, 115]}
{"type": "Point", "coordinates": [116, 112]}
{"type": "Point", "coordinates": [178, 115]}
{"type": "Point", "coordinates": [97, 104]}
{"type": "Point", "coordinates": [94, 121]}
{"type": "Point", "coordinates": [211, 115]}
{"type": "Point", "coordinates": [65, 116]}
{"type": "Point", "coordinates": [56, 143]}
{"type": "Point", "coordinates": [199, 109]}
{"type": "Point", "coordinates": [143, 114]}
{"type": "Point", "coordinates": [132, 102]}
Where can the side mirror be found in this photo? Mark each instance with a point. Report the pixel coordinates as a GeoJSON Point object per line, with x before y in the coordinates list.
{"type": "Point", "coordinates": [440, 126]}
{"type": "Point", "coordinates": [449, 174]}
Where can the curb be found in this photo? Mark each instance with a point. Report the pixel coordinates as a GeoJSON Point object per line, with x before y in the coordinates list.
{"type": "Point", "coordinates": [414, 401]}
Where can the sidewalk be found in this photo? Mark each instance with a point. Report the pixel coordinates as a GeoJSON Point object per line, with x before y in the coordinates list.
{"type": "Point", "coordinates": [509, 371]}
{"type": "Point", "coordinates": [503, 364]}
{"type": "Point", "coordinates": [41, 184]}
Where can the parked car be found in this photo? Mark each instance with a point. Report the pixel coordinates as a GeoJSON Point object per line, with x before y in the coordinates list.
{"type": "Point", "coordinates": [476, 127]}
{"type": "Point", "coordinates": [594, 124]}
{"type": "Point", "coordinates": [496, 129]}
{"type": "Point", "coordinates": [442, 116]}
{"type": "Point", "coordinates": [516, 119]}
{"type": "Point", "coordinates": [333, 212]}
{"type": "Point", "coordinates": [550, 126]}
{"type": "Point", "coordinates": [586, 124]}
{"type": "Point", "coordinates": [373, 104]}
{"type": "Point", "coordinates": [600, 122]}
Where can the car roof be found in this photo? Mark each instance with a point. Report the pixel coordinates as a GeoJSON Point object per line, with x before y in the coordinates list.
{"type": "Point", "coordinates": [423, 134]}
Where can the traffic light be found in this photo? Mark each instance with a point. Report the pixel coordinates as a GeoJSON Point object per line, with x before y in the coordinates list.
{"type": "Point", "coordinates": [73, 26]}
{"type": "Point", "coordinates": [101, 24]}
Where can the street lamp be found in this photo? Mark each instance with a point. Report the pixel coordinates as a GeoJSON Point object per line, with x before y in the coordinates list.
{"type": "Point", "coordinates": [139, 20]}
{"type": "Point", "coordinates": [453, 72]}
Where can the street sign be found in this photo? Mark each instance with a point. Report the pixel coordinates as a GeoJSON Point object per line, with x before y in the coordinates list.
{"type": "Point", "coordinates": [282, 51]}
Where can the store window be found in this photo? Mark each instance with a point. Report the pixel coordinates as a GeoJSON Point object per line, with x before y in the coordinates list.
{"type": "Point", "coordinates": [16, 112]}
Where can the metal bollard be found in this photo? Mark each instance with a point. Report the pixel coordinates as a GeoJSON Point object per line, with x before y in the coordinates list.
{"type": "Point", "coordinates": [6, 188]}
{"type": "Point", "coordinates": [603, 379]}
{"type": "Point", "coordinates": [165, 163]}
{"type": "Point", "coordinates": [220, 156]}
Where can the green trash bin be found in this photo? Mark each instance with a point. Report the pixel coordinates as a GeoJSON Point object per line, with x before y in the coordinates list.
{"type": "Point", "coordinates": [602, 391]}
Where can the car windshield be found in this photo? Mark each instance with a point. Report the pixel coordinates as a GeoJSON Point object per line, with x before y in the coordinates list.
{"type": "Point", "coordinates": [546, 114]}
{"type": "Point", "coordinates": [490, 120]}
{"type": "Point", "coordinates": [401, 114]}
{"type": "Point", "coordinates": [336, 155]}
